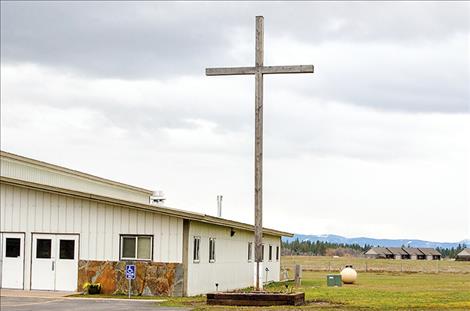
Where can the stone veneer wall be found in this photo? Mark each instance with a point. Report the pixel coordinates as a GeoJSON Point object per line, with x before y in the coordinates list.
{"type": "Point", "coordinates": [153, 278]}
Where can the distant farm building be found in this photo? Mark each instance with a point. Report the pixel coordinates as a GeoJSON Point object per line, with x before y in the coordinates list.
{"type": "Point", "coordinates": [404, 253]}
{"type": "Point", "coordinates": [464, 255]}
{"type": "Point", "coordinates": [431, 253]}
{"type": "Point", "coordinates": [399, 253]}
{"type": "Point", "coordinates": [379, 252]}
{"type": "Point", "coordinates": [415, 253]}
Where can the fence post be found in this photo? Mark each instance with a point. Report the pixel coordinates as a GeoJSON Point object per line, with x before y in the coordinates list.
{"type": "Point", "coordinates": [297, 275]}
{"type": "Point", "coordinates": [329, 266]}
{"type": "Point", "coordinates": [366, 266]}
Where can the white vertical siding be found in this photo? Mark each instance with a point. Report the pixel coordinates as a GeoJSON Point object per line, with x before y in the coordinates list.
{"type": "Point", "coordinates": [157, 242]}
{"type": "Point", "coordinates": [99, 225]}
{"type": "Point", "coordinates": [231, 269]}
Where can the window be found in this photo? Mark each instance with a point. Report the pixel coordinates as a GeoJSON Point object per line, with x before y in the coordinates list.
{"type": "Point", "coordinates": [270, 255]}
{"type": "Point", "coordinates": [43, 248]}
{"type": "Point", "coordinates": [262, 252]}
{"type": "Point", "coordinates": [136, 247]}
{"type": "Point", "coordinates": [211, 249]}
{"type": "Point", "coordinates": [250, 251]}
{"type": "Point", "coordinates": [277, 253]}
{"type": "Point", "coordinates": [12, 247]}
{"type": "Point", "coordinates": [197, 242]}
{"type": "Point", "coordinates": [66, 249]}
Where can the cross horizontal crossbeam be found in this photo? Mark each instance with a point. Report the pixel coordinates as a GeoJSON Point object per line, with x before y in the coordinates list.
{"type": "Point", "coordinates": [230, 71]}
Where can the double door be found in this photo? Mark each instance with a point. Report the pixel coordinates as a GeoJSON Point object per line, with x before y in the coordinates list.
{"type": "Point", "coordinates": [54, 264]}
{"type": "Point", "coordinates": [11, 260]}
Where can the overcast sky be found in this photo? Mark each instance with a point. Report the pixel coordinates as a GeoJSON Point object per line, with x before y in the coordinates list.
{"type": "Point", "coordinates": [375, 143]}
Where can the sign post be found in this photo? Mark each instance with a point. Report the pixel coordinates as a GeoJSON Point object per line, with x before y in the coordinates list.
{"type": "Point", "coordinates": [130, 275]}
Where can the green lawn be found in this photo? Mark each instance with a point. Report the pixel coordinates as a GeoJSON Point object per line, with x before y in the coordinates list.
{"type": "Point", "coordinates": [392, 291]}
{"type": "Point", "coordinates": [376, 291]}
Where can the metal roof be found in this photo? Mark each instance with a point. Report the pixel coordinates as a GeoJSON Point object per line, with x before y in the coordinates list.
{"type": "Point", "coordinates": [429, 251]}
{"type": "Point", "coordinates": [378, 251]}
{"type": "Point", "coordinates": [465, 252]}
{"type": "Point", "coordinates": [412, 251]}
{"type": "Point", "coordinates": [62, 169]}
{"type": "Point", "coordinates": [397, 251]}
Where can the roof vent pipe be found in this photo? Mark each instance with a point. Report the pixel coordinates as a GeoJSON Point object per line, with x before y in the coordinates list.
{"type": "Point", "coordinates": [157, 198]}
{"type": "Point", "coordinates": [219, 206]}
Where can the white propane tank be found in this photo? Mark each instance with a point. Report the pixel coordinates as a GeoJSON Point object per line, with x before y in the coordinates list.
{"type": "Point", "coordinates": [348, 275]}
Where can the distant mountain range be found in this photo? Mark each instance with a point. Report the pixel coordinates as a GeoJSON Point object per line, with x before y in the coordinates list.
{"type": "Point", "coordinates": [375, 242]}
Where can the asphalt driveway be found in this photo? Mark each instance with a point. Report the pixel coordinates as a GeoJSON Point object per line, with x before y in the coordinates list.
{"type": "Point", "coordinates": [78, 304]}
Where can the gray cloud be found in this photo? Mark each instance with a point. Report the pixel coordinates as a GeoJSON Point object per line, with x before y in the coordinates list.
{"type": "Point", "coordinates": [394, 56]}
{"type": "Point", "coordinates": [155, 39]}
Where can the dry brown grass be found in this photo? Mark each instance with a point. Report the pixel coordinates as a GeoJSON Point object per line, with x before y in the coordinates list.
{"type": "Point", "coordinates": [327, 263]}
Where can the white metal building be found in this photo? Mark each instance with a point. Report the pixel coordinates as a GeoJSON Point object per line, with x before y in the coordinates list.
{"type": "Point", "coordinates": [60, 228]}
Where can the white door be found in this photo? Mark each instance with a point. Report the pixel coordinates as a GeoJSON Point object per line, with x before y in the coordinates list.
{"type": "Point", "coordinates": [1, 258]}
{"type": "Point", "coordinates": [54, 263]}
{"type": "Point", "coordinates": [66, 269]}
{"type": "Point", "coordinates": [42, 262]}
{"type": "Point", "coordinates": [12, 260]}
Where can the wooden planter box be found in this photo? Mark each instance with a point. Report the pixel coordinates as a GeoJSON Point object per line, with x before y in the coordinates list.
{"type": "Point", "coordinates": [256, 299]}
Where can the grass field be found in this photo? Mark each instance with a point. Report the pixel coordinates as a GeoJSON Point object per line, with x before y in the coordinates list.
{"type": "Point", "coordinates": [383, 287]}
{"type": "Point", "coordinates": [372, 291]}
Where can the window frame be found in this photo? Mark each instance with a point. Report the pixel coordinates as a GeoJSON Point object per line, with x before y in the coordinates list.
{"type": "Point", "coordinates": [212, 256]}
{"type": "Point", "coordinates": [278, 250]}
{"type": "Point", "coordinates": [197, 238]}
{"type": "Point", "coordinates": [262, 252]}
{"type": "Point", "coordinates": [250, 251]}
{"type": "Point", "coordinates": [39, 248]}
{"type": "Point", "coordinates": [7, 252]}
{"type": "Point", "coordinates": [136, 237]}
{"type": "Point", "coordinates": [270, 252]}
{"type": "Point", "coordinates": [66, 255]}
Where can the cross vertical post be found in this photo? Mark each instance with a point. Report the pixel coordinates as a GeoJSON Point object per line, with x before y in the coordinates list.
{"type": "Point", "coordinates": [259, 145]}
{"type": "Point", "coordinates": [259, 70]}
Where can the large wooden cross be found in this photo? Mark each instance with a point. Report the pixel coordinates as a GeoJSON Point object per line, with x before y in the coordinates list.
{"type": "Point", "coordinates": [258, 70]}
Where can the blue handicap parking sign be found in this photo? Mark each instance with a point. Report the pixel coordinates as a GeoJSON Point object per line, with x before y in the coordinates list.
{"type": "Point", "coordinates": [130, 272]}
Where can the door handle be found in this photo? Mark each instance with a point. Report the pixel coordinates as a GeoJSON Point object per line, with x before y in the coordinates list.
{"type": "Point", "coordinates": [53, 262]}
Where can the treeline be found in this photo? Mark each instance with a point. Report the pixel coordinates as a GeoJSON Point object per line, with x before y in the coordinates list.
{"type": "Point", "coordinates": [319, 248]}
{"type": "Point", "coordinates": [451, 252]}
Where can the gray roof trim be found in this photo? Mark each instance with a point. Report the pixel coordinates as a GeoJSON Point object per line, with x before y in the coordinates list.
{"type": "Point", "coordinates": [65, 170]}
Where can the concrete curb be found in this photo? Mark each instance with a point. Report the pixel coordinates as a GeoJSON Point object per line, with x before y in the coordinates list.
{"type": "Point", "coordinates": [43, 295]}
{"type": "Point", "coordinates": [115, 299]}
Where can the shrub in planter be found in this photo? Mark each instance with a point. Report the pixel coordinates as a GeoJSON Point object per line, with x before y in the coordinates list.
{"type": "Point", "coordinates": [92, 288]}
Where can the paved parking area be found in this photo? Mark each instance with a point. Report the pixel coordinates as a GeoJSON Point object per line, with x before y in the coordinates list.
{"type": "Point", "coordinates": [33, 293]}
{"type": "Point", "coordinates": [78, 304]}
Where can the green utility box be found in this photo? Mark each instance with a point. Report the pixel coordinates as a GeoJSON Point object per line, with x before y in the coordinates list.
{"type": "Point", "coordinates": [334, 280]}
